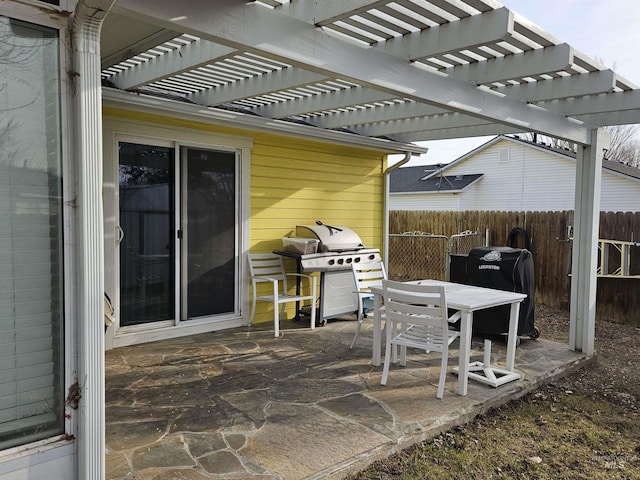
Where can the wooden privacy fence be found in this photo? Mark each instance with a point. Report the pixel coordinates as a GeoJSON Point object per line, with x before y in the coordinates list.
{"type": "Point", "coordinates": [618, 298]}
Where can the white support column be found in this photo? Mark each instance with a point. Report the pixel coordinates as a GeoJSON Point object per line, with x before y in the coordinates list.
{"type": "Point", "coordinates": [87, 22]}
{"type": "Point", "coordinates": [585, 242]}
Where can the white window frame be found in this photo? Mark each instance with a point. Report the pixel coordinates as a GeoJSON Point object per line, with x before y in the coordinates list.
{"type": "Point", "coordinates": [56, 454]}
{"type": "Point", "coordinates": [119, 130]}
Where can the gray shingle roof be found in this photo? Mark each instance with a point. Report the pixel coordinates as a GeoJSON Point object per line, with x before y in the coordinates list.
{"type": "Point", "coordinates": [425, 179]}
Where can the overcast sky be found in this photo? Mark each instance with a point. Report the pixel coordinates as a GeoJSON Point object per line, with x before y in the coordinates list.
{"type": "Point", "coordinates": [606, 30]}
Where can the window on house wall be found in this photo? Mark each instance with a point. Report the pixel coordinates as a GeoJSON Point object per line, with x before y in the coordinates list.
{"type": "Point", "coordinates": [31, 260]}
{"type": "Point", "coordinates": [504, 155]}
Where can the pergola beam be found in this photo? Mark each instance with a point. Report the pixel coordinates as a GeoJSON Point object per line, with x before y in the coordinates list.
{"type": "Point", "coordinates": [531, 63]}
{"type": "Point", "coordinates": [252, 26]}
{"type": "Point", "coordinates": [452, 37]}
{"type": "Point", "coordinates": [199, 53]}
{"type": "Point", "coordinates": [328, 101]}
{"type": "Point", "coordinates": [262, 85]}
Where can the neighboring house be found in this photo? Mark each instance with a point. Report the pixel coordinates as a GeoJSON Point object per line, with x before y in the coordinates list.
{"type": "Point", "coordinates": [510, 174]}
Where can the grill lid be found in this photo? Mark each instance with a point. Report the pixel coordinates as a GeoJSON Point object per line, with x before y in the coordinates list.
{"type": "Point", "coordinates": [332, 238]}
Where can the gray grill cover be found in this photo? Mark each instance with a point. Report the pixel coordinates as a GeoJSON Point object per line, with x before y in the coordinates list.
{"type": "Point", "coordinates": [332, 238]}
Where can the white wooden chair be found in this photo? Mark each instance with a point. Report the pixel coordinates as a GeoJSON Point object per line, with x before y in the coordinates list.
{"type": "Point", "coordinates": [269, 268]}
{"type": "Point", "coordinates": [421, 313]}
{"type": "Point", "coordinates": [366, 275]}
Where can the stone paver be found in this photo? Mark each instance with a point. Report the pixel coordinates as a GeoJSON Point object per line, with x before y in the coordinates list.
{"type": "Point", "coordinates": [241, 404]}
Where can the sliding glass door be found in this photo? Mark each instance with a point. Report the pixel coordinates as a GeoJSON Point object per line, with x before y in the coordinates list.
{"type": "Point", "coordinates": [211, 237]}
{"type": "Point", "coordinates": [200, 229]}
{"type": "Point", "coordinates": [147, 222]}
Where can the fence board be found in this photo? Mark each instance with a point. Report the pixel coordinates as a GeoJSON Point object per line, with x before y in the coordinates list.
{"type": "Point", "coordinates": [618, 299]}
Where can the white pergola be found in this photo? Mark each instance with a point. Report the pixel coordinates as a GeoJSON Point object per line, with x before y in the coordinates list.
{"type": "Point", "coordinates": [377, 73]}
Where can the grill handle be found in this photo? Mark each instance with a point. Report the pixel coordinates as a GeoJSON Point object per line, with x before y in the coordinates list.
{"type": "Point", "coordinates": [318, 222]}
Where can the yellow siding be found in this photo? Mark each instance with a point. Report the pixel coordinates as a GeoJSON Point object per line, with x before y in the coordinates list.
{"type": "Point", "coordinates": [296, 182]}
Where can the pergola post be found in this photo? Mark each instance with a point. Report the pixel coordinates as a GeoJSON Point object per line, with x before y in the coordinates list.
{"type": "Point", "coordinates": [585, 242]}
{"type": "Point", "coordinates": [87, 23]}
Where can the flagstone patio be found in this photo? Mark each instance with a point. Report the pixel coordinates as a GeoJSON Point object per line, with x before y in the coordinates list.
{"type": "Point", "coordinates": [242, 404]}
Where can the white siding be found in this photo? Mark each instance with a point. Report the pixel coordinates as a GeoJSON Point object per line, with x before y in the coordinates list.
{"type": "Point", "coordinates": [549, 181]}
{"type": "Point", "coordinates": [424, 201]}
{"type": "Point", "coordinates": [619, 194]}
{"type": "Point", "coordinates": [519, 177]}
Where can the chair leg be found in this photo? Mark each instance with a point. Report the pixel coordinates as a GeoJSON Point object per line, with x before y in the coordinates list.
{"type": "Point", "coordinates": [276, 321]}
{"type": "Point", "coordinates": [357, 334]}
{"type": "Point", "coordinates": [313, 314]}
{"type": "Point", "coordinates": [388, 347]}
{"type": "Point", "coordinates": [253, 308]}
{"type": "Point", "coordinates": [443, 374]}
{"type": "Point", "coordinates": [385, 368]}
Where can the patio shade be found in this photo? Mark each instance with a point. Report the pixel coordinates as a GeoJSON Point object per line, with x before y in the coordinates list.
{"type": "Point", "coordinates": [392, 71]}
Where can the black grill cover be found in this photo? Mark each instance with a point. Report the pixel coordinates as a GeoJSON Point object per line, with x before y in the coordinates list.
{"type": "Point", "coordinates": [502, 268]}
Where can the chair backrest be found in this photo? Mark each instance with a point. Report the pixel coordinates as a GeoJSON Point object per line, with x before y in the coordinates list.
{"type": "Point", "coordinates": [368, 275]}
{"type": "Point", "coordinates": [416, 304]}
{"type": "Point", "coordinates": [267, 265]}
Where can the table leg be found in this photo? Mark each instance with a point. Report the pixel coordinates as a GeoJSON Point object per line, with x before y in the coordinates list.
{"type": "Point", "coordinates": [513, 335]}
{"type": "Point", "coordinates": [466, 322]}
{"type": "Point", "coordinates": [377, 330]}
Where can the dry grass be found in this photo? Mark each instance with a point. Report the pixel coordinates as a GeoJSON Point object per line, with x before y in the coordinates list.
{"type": "Point", "coordinates": [585, 426]}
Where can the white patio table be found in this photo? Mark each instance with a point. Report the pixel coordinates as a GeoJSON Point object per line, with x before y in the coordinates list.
{"type": "Point", "coordinates": [466, 299]}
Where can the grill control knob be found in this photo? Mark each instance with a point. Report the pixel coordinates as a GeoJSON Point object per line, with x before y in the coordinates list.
{"type": "Point", "coordinates": [340, 261]}
{"type": "Point", "coordinates": [348, 260]}
{"type": "Point", "coordinates": [356, 260]}
{"type": "Point", "coordinates": [331, 261]}
{"type": "Point", "coordinates": [372, 257]}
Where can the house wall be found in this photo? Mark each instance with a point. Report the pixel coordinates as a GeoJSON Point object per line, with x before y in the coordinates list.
{"type": "Point", "coordinates": [425, 201]}
{"type": "Point", "coordinates": [518, 178]}
{"type": "Point", "coordinates": [521, 178]}
{"type": "Point", "coordinates": [293, 182]}
{"type": "Point", "coordinates": [296, 182]}
{"type": "Point", "coordinates": [619, 194]}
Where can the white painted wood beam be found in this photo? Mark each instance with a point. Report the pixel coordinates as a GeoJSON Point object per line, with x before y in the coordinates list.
{"type": "Point", "coordinates": [380, 114]}
{"type": "Point", "coordinates": [200, 52]}
{"type": "Point", "coordinates": [562, 87]}
{"type": "Point", "coordinates": [158, 38]}
{"type": "Point", "coordinates": [190, 112]}
{"type": "Point", "coordinates": [418, 124]}
{"type": "Point", "coordinates": [610, 103]}
{"type": "Point", "coordinates": [491, 27]}
{"type": "Point", "coordinates": [255, 27]}
{"type": "Point", "coordinates": [454, 133]}
{"type": "Point", "coordinates": [584, 260]}
{"type": "Point", "coordinates": [328, 101]}
{"type": "Point", "coordinates": [323, 13]}
{"type": "Point", "coordinates": [520, 65]}
{"type": "Point", "coordinates": [614, 108]}
{"type": "Point", "coordinates": [595, 107]}
{"type": "Point", "coordinates": [628, 117]}
{"type": "Point", "coordinates": [260, 85]}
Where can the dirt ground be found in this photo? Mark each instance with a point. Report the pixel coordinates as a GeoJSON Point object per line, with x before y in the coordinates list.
{"type": "Point", "coordinates": [584, 426]}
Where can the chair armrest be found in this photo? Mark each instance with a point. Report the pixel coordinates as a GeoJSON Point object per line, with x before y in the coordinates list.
{"type": "Point", "coordinates": [264, 279]}
{"type": "Point", "coordinates": [454, 318]}
{"type": "Point", "coordinates": [364, 293]}
{"type": "Point", "coordinates": [301, 275]}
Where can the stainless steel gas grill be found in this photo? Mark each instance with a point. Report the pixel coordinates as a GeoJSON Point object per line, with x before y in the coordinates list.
{"type": "Point", "coordinates": [338, 248]}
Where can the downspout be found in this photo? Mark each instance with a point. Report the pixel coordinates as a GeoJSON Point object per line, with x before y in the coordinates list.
{"type": "Point", "coordinates": [86, 26]}
{"type": "Point", "coordinates": [385, 207]}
